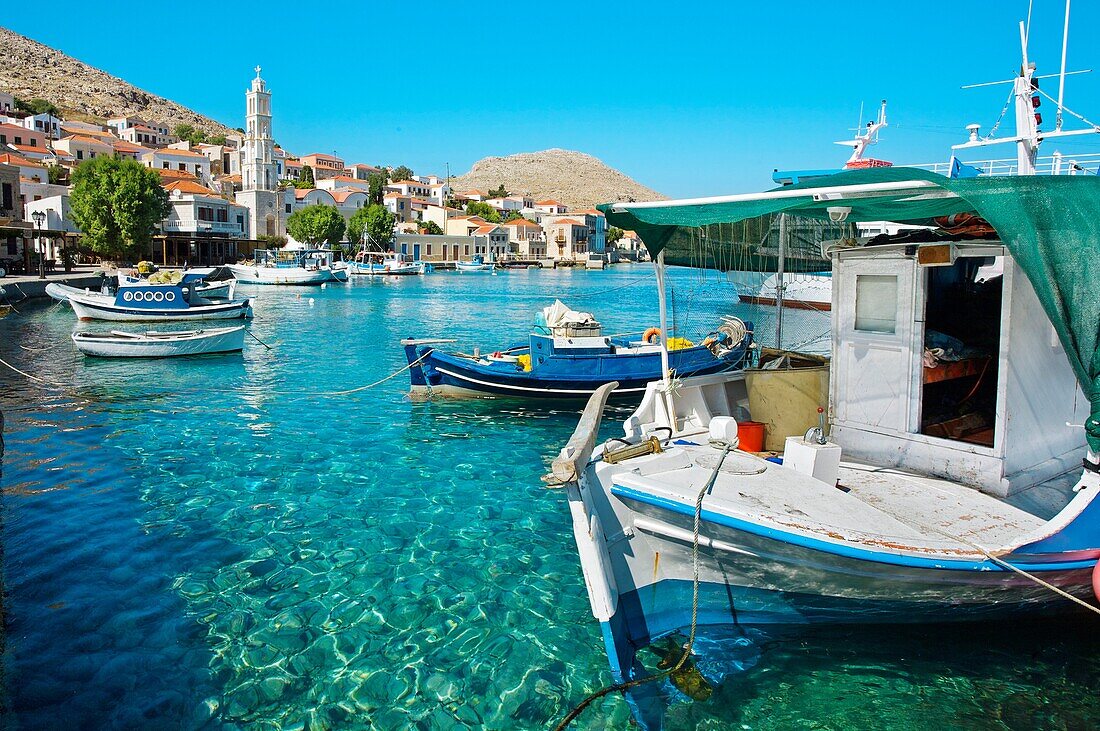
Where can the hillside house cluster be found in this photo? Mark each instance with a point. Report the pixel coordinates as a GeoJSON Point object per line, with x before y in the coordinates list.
{"type": "Point", "coordinates": [230, 198]}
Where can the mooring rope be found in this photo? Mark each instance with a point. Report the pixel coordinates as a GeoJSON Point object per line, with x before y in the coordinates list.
{"type": "Point", "coordinates": [418, 361]}
{"type": "Point", "coordinates": [322, 394]}
{"type": "Point", "coordinates": [579, 708]}
{"type": "Point", "coordinates": [33, 378]}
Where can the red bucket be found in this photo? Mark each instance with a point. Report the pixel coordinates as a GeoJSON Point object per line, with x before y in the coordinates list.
{"type": "Point", "coordinates": [750, 435]}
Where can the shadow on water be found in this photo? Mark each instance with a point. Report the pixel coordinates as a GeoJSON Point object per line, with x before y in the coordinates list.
{"type": "Point", "coordinates": [1016, 675]}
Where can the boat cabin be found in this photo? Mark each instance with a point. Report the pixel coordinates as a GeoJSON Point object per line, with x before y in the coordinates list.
{"type": "Point", "coordinates": [945, 363]}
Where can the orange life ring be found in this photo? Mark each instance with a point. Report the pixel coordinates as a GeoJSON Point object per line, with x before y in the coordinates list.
{"type": "Point", "coordinates": [652, 333]}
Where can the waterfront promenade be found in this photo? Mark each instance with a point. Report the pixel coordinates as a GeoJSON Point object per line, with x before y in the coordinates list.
{"type": "Point", "coordinates": [29, 286]}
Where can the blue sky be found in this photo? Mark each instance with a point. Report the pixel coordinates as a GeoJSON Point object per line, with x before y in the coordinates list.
{"type": "Point", "coordinates": [687, 98]}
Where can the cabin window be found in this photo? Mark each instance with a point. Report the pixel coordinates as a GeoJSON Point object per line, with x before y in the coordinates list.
{"type": "Point", "coordinates": [877, 303]}
{"type": "Point", "coordinates": [962, 342]}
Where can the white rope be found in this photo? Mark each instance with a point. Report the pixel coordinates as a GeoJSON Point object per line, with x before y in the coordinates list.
{"type": "Point", "coordinates": [383, 380]}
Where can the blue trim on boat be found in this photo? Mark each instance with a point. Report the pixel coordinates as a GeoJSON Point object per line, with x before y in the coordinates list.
{"type": "Point", "coordinates": [838, 549]}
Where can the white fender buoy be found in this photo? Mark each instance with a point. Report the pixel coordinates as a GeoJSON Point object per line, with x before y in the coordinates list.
{"type": "Point", "coordinates": [311, 302]}
{"type": "Point", "coordinates": [324, 284]}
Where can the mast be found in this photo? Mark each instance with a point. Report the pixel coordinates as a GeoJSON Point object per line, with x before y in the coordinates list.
{"type": "Point", "coordinates": [1062, 73]}
{"type": "Point", "coordinates": [779, 285]}
{"type": "Point", "coordinates": [662, 306]}
{"type": "Point", "coordinates": [1027, 144]}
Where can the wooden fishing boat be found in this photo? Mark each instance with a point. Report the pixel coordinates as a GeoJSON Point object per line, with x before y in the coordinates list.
{"type": "Point", "coordinates": [946, 485]}
{"type": "Point", "coordinates": [376, 264]}
{"type": "Point", "coordinates": [147, 302]}
{"type": "Point", "coordinates": [119, 344]}
{"type": "Point", "coordinates": [476, 264]}
{"type": "Point", "coordinates": [284, 267]}
{"type": "Point", "coordinates": [567, 357]}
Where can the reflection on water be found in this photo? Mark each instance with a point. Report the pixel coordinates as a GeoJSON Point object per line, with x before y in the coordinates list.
{"type": "Point", "coordinates": [222, 542]}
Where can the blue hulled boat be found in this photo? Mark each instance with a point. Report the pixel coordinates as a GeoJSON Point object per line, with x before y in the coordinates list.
{"type": "Point", "coordinates": [567, 357]}
{"type": "Point", "coordinates": [144, 302]}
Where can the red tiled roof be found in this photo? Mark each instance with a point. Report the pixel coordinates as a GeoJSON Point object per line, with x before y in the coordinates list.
{"type": "Point", "coordinates": [179, 153]}
{"type": "Point", "coordinates": [188, 186]}
{"type": "Point", "coordinates": [12, 159]}
{"type": "Point", "coordinates": [548, 203]}
{"type": "Point", "coordinates": [175, 174]}
{"type": "Point", "coordinates": [85, 139]}
{"type": "Point", "coordinates": [568, 222]}
{"type": "Point", "coordinates": [342, 195]}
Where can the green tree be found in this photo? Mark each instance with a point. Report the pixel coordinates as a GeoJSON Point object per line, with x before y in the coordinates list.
{"type": "Point", "coordinates": [374, 220]}
{"type": "Point", "coordinates": [117, 203]}
{"type": "Point", "coordinates": [56, 173]}
{"type": "Point", "coordinates": [216, 139]}
{"type": "Point", "coordinates": [189, 133]}
{"type": "Point", "coordinates": [512, 216]}
{"type": "Point", "coordinates": [376, 183]}
{"type": "Point", "coordinates": [614, 234]}
{"type": "Point", "coordinates": [401, 173]}
{"type": "Point", "coordinates": [315, 225]}
{"type": "Point", "coordinates": [306, 176]}
{"type": "Point", "coordinates": [486, 211]}
{"type": "Point", "coordinates": [499, 192]}
{"type": "Point", "coordinates": [37, 106]}
{"type": "Point", "coordinates": [430, 227]}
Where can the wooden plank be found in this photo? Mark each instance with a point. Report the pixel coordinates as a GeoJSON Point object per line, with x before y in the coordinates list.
{"type": "Point", "coordinates": [573, 458]}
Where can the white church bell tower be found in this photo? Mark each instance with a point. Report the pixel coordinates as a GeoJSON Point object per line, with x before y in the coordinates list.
{"type": "Point", "coordinates": [259, 178]}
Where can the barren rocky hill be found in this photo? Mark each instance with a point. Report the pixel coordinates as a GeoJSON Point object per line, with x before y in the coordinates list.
{"type": "Point", "coordinates": [573, 178]}
{"type": "Point", "coordinates": [31, 70]}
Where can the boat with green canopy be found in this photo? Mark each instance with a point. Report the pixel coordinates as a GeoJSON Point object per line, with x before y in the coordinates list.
{"type": "Point", "coordinates": [949, 470]}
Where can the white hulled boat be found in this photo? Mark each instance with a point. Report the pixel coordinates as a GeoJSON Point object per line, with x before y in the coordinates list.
{"type": "Point", "coordinates": [119, 344]}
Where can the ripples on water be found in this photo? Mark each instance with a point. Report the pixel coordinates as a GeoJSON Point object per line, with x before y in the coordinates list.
{"type": "Point", "coordinates": [218, 543]}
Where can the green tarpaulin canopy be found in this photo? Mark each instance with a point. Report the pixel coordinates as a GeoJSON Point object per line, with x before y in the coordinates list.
{"type": "Point", "coordinates": [1049, 224]}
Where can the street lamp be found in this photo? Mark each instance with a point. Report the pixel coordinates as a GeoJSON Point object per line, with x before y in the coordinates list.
{"type": "Point", "coordinates": [39, 217]}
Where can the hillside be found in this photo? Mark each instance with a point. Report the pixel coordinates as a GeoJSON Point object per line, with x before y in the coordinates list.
{"type": "Point", "coordinates": [573, 178]}
{"type": "Point", "coordinates": [30, 70]}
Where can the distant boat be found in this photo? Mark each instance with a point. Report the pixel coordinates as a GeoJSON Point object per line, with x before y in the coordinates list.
{"type": "Point", "coordinates": [567, 357]}
{"type": "Point", "coordinates": [145, 302]}
{"type": "Point", "coordinates": [281, 267]}
{"type": "Point", "coordinates": [476, 264]}
{"type": "Point", "coordinates": [800, 291]}
{"type": "Point", "coordinates": [388, 265]}
{"type": "Point", "coordinates": [118, 344]}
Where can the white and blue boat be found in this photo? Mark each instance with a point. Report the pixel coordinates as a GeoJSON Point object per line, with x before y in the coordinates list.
{"type": "Point", "coordinates": [947, 486]}
{"type": "Point", "coordinates": [476, 264]}
{"type": "Point", "coordinates": [287, 267]}
{"type": "Point", "coordinates": [568, 357]}
{"type": "Point", "coordinates": [142, 302]}
{"type": "Point", "coordinates": [377, 264]}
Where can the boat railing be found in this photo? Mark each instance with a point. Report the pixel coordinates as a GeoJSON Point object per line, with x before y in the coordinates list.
{"type": "Point", "coordinates": [574, 456]}
{"type": "Point", "coordinates": [1057, 164]}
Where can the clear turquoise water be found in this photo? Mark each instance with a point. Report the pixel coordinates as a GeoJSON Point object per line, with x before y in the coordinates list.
{"type": "Point", "coordinates": [216, 543]}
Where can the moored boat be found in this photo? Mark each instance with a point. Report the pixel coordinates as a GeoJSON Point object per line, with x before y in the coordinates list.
{"type": "Point", "coordinates": [148, 302]}
{"type": "Point", "coordinates": [118, 344]}
{"type": "Point", "coordinates": [476, 264]}
{"type": "Point", "coordinates": [377, 264]}
{"type": "Point", "coordinates": [282, 267]}
{"type": "Point", "coordinates": [568, 357]}
{"type": "Point", "coordinates": [948, 487]}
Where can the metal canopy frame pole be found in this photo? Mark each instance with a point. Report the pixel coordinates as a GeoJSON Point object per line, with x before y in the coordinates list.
{"type": "Point", "coordinates": [662, 305]}
{"type": "Point", "coordinates": [780, 284]}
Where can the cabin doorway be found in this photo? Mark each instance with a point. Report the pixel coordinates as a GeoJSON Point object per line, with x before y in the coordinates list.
{"type": "Point", "coordinates": [962, 344]}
